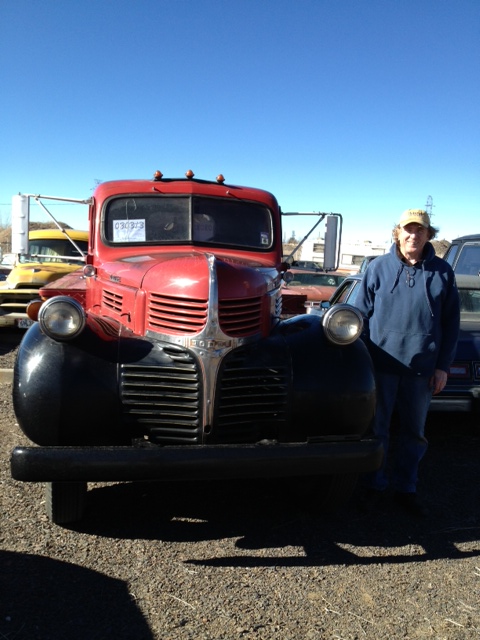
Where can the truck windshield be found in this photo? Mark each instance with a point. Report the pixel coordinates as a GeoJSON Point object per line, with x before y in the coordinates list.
{"type": "Point", "coordinates": [49, 250]}
{"type": "Point", "coordinates": [196, 220]}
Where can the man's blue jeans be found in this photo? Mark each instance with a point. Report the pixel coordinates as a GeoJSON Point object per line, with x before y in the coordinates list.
{"type": "Point", "coordinates": [410, 395]}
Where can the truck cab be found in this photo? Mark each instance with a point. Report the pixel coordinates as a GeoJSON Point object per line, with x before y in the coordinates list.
{"type": "Point", "coordinates": [166, 356]}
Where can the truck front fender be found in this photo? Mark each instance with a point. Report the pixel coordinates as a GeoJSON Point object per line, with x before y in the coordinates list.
{"type": "Point", "coordinates": [333, 387]}
{"type": "Point", "coordinates": [65, 393]}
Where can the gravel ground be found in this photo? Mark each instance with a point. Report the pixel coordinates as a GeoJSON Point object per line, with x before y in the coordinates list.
{"type": "Point", "coordinates": [242, 560]}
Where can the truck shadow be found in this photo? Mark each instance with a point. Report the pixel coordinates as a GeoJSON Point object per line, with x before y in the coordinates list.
{"type": "Point", "coordinates": [271, 515]}
{"type": "Point", "coordinates": [45, 598]}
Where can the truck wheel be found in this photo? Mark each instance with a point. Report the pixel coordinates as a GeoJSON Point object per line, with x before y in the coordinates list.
{"type": "Point", "coordinates": [65, 501]}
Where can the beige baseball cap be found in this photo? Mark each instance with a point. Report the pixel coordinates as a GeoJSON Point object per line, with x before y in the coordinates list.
{"type": "Point", "coordinates": [415, 215]}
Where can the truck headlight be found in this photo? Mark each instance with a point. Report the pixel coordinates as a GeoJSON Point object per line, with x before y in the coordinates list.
{"type": "Point", "coordinates": [342, 323]}
{"type": "Point", "coordinates": [61, 318]}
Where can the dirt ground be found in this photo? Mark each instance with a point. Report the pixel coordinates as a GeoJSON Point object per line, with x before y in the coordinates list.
{"type": "Point", "coordinates": [244, 559]}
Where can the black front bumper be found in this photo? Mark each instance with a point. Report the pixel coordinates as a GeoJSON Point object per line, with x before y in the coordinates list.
{"type": "Point", "coordinates": [111, 464]}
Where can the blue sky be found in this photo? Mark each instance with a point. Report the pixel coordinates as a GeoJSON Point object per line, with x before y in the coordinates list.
{"type": "Point", "coordinates": [362, 107]}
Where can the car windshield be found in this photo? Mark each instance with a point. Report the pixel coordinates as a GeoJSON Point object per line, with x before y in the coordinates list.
{"type": "Point", "coordinates": [346, 292]}
{"type": "Point", "coordinates": [50, 250]}
{"type": "Point", "coordinates": [154, 220]}
{"type": "Point", "coordinates": [318, 279]}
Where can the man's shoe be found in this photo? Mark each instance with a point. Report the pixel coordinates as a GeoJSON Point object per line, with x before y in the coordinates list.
{"type": "Point", "coordinates": [410, 503]}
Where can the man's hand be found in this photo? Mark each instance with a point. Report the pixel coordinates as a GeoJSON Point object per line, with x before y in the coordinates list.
{"type": "Point", "coordinates": [438, 381]}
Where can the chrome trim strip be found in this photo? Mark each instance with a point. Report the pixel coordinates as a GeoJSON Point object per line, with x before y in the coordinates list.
{"type": "Point", "coordinates": [210, 345]}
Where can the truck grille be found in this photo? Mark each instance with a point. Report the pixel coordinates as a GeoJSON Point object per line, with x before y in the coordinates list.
{"type": "Point", "coordinates": [112, 300]}
{"type": "Point", "coordinates": [19, 300]}
{"type": "Point", "coordinates": [241, 317]}
{"type": "Point", "coordinates": [164, 400]}
{"type": "Point", "coordinates": [252, 403]}
{"type": "Point", "coordinates": [176, 315]}
{"type": "Point", "coordinates": [238, 318]}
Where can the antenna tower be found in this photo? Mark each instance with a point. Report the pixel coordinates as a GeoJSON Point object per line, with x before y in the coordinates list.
{"type": "Point", "coordinates": [429, 206]}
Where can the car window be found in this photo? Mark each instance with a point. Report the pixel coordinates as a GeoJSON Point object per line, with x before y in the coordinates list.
{"type": "Point", "coordinates": [469, 300]}
{"type": "Point", "coordinates": [451, 253]}
{"type": "Point", "coordinates": [365, 262]}
{"type": "Point", "coordinates": [317, 279]}
{"type": "Point", "coordinates": [346, 292]}
{"type": "Point", "coordinates": [469, 260]}
{"type": "Point", "coordinates": [353, 293]}
{"type": "Point", "coordinates": [305, 264]}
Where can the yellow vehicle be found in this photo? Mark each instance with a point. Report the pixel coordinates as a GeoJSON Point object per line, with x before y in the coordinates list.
{"type": "Point", "coordinates": [52, 253]}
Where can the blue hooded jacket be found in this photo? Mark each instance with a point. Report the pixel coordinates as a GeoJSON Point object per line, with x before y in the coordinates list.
{"type": "Point", "coordinates": [411, 313]}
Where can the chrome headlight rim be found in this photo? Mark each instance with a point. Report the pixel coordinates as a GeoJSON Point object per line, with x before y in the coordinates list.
{"type": "Point", "coordinates": [336, 318]}
{"type": "Point", "coordinates": [62, 318]}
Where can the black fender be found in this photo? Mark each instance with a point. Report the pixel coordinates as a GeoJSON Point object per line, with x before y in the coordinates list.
{"type": "Point", "coordinates": [65, 393]}
{"type": "Point", "coordinates": [332, 387]}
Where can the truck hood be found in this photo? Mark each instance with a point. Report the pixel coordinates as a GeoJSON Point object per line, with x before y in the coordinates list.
{"type": "Point", "coordinates": [190, 293]}
{"type": "Point", "coordinates": [35, 275]}
{"type": "Point", "coordinates": [188, 274]}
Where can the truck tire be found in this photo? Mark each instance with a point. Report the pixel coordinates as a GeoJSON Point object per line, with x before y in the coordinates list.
{"type": "Point", "coordinates": [65, 501]}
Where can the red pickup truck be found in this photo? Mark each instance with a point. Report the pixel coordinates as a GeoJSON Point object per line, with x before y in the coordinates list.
{"type": "Point", "coordinates": [166, 357]}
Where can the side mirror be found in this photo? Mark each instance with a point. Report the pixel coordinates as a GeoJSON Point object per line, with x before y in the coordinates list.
{"type": "Point", "coordinates": [330, 262]}
{"type": "Point", "coordinates": [20, 223]}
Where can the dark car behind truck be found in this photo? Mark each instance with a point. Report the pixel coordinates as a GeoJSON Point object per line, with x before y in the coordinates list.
{"type": "Point", "coordinates": [464, 255]}
{"type": "Point", "coordinates": [166, 357]}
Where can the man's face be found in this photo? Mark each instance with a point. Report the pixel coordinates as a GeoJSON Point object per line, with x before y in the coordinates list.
{"type": "Point", "coordinates": [412, 239]}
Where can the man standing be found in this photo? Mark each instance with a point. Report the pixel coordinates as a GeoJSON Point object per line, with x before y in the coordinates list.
{"type": "Point", "coordinates": [409, 301]}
